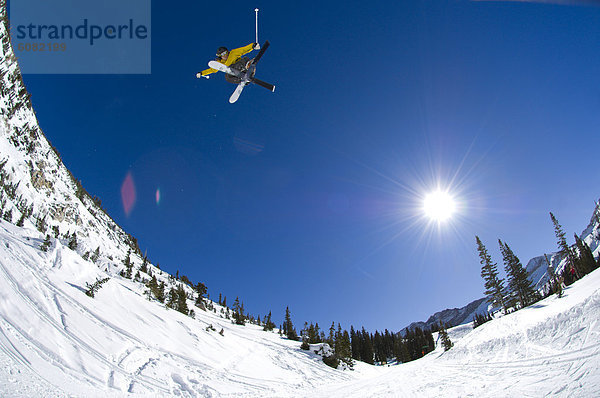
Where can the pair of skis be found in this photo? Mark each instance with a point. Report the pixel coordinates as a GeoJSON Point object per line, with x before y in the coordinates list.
{"type": "Point", "coordinates": [246, 77]}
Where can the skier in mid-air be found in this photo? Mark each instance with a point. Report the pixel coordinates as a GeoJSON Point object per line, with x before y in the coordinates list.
{"type": "Point", "coordinates": [234, 59]}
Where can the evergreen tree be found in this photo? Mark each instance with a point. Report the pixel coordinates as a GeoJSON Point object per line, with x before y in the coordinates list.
{"type": "Point", "coordinates": [128, 265]}
{"type": "Point", "coordinates": [41, 224]}
{"type": "Point", "coordinates": [8, 215]}
{"type": "Point", "coordinates": [304, 337]}
{"type": "Point", "coordinates": [585, 259]}
{"type": "Point", "coordinates": [144, 267]}
{"type": "Point", "coordinates": [564, 248]}
{"type": "Point", "coordinates": [494, 286]}
{"type": "Point", "coordinates": [288, 326]}
{"type": "Point", "coordinates": [519, 286]}
{"type": "Point", "coordinates": [172, 298]}
{"type": "Point", "coordinates": [45, 244]}
{"type": "Point", "coordinates": [355, 344]}
{"type": "Point", "coordinates": [445, 338]}
{"type": "Point", "coordinates": [366, 354]}
{"type": "Point", "coordinates": [331, 338]}
{"type": "Point", "coordinates": [269, 325]}
{"type": "Point", "coordinates": [21, 221]}
{"type": "Point", "coordinates": [481, 319]}
{"type": "Point", "coordinates": [160, 292]}
{"type": "Point", "coordinates": [182, 300]}
{"type": "Point", "coordinates": [238, 312]}
{"type": "Point", "coordinates": [343, 349]}
{"type": "Point", "coordinates": [73, 242]}
{"type": "Point", "coordinates": [93, 288]}
{"type": "Point", "coordinates": [96, 255]}
{"type": "Point", "coordinates": [201, 289]}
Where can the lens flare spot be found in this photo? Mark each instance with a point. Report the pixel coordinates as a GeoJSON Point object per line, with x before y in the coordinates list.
{"type": "Point", "coordinates": [157, 196]}
{"type": "Point", "coordinates": [128, 195]}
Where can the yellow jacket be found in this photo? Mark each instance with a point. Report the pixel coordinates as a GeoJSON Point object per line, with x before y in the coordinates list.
{"type": "Point", "coordinates": [232, 58]}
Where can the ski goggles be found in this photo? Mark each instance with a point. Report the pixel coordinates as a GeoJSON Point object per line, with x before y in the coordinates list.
{"type": "Point", "coordinates": [222, 54]}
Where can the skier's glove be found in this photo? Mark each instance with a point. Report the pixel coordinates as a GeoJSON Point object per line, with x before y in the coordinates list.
{"type": "Point", "coordinates": [199, 75]}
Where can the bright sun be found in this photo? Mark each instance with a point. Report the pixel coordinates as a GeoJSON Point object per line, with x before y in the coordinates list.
{"type": "Point", "coordinates": [439, 206]}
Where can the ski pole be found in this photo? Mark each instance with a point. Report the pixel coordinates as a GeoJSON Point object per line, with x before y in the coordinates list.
{"type": "Point", "coordinates": [257, 43]}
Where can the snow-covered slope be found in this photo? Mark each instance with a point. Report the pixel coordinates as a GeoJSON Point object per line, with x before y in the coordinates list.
{"type": "Point", "coordinates": [56, 341]}
{"type": "Point", "coordinates": [551, 348]}
{"type": "Point", "coordinates": [121, 342]}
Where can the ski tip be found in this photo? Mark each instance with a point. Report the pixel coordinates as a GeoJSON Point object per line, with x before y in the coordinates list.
{"type": "Point", "coordinates": [273, 89]}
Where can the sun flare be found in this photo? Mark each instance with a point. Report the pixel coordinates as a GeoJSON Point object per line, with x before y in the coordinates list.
{"type": "Point", "coordinates": [439, 206]}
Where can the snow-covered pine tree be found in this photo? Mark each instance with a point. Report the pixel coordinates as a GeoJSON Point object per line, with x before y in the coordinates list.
{"type": "Point", "coordinates": [46, 244]}
{"type": "Point", "coordinates": [73, 241]}
{"type": "Point", "coordinates": [446, 343]}
{"type": "Point", "coordinates": [96, 255]}
{"type": "Point", "coordinates": [21, 220]}
{"type": "Point", "coordinates": [494, 286]}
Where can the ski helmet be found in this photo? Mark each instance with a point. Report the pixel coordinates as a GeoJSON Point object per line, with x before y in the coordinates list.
{"type": "Point", "coordinates": [222, 51]}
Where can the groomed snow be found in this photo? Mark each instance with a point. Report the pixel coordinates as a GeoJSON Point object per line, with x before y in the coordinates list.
{"type": "Point", "coordinates": [56, 341]}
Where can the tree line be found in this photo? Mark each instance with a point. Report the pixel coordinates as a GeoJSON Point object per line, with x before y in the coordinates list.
{"type": "Point", "coordinates": [516, 291]}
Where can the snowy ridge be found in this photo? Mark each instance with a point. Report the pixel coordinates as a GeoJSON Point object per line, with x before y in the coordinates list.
{"type": "Point", "coordinates": [452, 317]}
{"type": "Point", "coordinates": [44, 185]}
{"type": "Point", "coordinates": [43, 188]}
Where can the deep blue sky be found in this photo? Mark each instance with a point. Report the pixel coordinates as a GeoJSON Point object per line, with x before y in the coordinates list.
{"type": "Point", "coordinates": [310, 196]}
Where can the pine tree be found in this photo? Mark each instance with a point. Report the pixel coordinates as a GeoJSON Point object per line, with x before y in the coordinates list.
{"type": "Point", "coordinates": [73, 242]}
{"type": "Point", "coordinates": [21, 221]}
{"type": "Point", "coordinates": [128, 265]}
{"type": "Point", "coordinates": [45, 244]}
{"type": "Point", "coordinates": [585, 259]}
{"type": "Point", "coordinates": [172, 299]}
{"type": "Point", "coordinates": [331, 338]}
{"type": "Point", "coordinates": [41, 224]}
{"type": "Point", "coordinates": [269, 325]}
{"type": "Point", "coordinates": [446, 343]}
{"type": "Point", "coordinates": [519, 286]}
{"type": "Point", "coordinates": [182, 300]}
{"type": "Point", "coordinates": [144, 267]}
{"type": "Point", "coordinates": [288, 326]}
{"type": "Point", "coordinates": [96, 255]}
{"type": "Point", "coordinates": [565, 249]}
{"type": "Point", "coordinates": [354, 343]}
{"type": "Point", "coordinates": [160, 292]}
{"type": "Point", "coordinates": [366, 354]}
{"type": "Point", "coordinates": [494, 286]}
{"type": "Point", "coordinates": [238, 312]}
{"type": "Point", "coordinates": [8, 215]}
